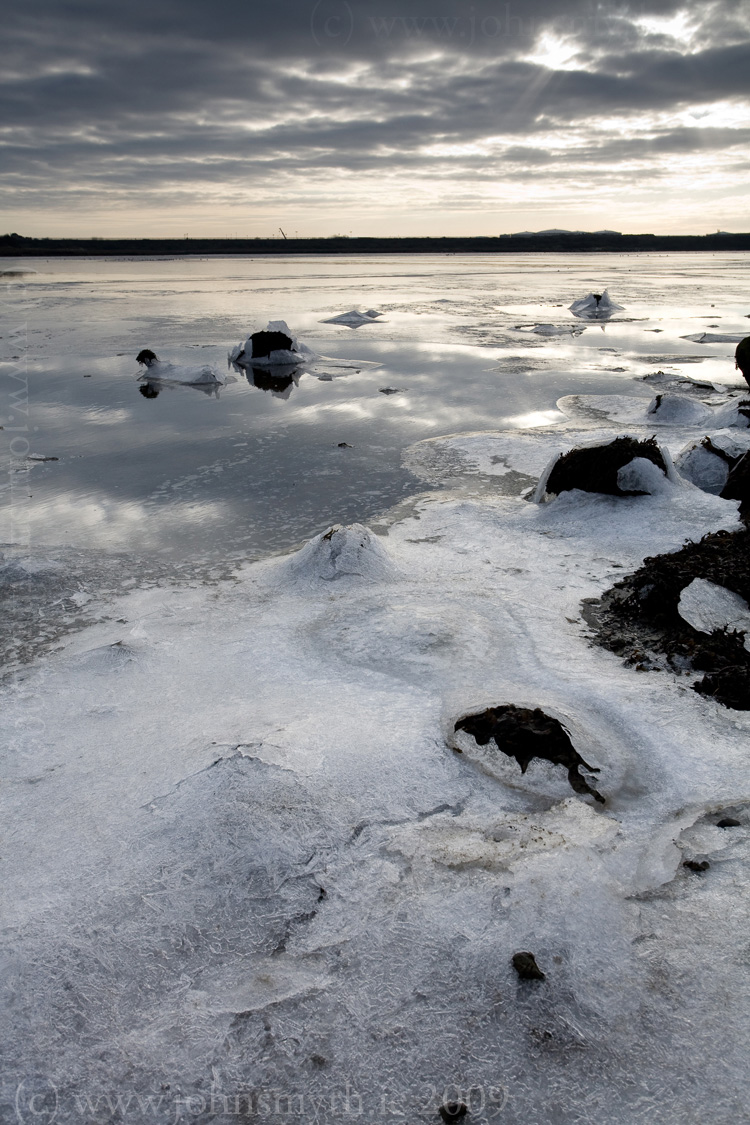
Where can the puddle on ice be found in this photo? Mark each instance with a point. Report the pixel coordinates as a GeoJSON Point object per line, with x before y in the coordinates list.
{"type": "Point", "coordinates": [247, 876]}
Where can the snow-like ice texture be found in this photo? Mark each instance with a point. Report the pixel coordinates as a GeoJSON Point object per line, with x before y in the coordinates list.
{"type": "Point", "coordinates": [712, 338]}
{"type": "Point", "coordinates": [354, 318]}
{"type": "Point", "coordinates": [194, 376]}
{"type": "Point", "coordinates": [702, 463]}
{"type": "Point", "coordinates": [247, 863]}
{"type": "Point", "coordinates": [242, 354]}
{"type": "Point", "coordinates": [708, 607]}
{"type": "Point", "coordinates": [595, 306]}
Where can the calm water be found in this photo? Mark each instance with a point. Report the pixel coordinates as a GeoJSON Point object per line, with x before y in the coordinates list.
{"type": "Point", "coordinates": [250, 471]}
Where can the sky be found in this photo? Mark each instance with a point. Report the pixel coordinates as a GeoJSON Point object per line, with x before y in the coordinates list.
{"type": "Point", "coordinates": [386, 117]}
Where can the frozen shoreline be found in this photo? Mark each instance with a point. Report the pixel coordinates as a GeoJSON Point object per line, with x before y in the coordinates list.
{"type": "Point", "coordinates": [245, 845]}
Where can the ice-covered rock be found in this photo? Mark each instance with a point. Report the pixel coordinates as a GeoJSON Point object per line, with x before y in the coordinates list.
{"type": "Point", "coordinates": [595, 306]}
{"type": "Point", "coordinates": [275, 345]}
{"type": "Point", "coordinates": [677, 410]}
{"type": "Point", "coordinates": [707, 463]}
{"type": "Point", "coordinates": [161, 370]}
{"type": "Point", "coordinates": [615, 468]}
{"type": "Point", "coordinates": [342, 552]}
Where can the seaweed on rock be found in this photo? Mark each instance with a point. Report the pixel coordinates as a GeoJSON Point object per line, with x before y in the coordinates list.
{"type": "Point", "coordinates": [526, 733]}
{"type": "Point", "coordinates": [596, 468]}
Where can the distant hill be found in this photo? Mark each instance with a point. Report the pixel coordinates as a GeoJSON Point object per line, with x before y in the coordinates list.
{"type": "Point", "coordinates": [550, 241]}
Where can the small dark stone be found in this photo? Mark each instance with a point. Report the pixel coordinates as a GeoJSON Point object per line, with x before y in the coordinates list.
{"type": "Point", "coordinates": [146, 357]}
{"type": "Point", "coordinates": [389, 390]}
{"type": "Point", "coordinates": [453, 1111]}
{"type": "Point", "coordinates": [345, 445]}
{"type": "Point", "coordinates": [696, 864]}
{"type": "Point", "coordinates": [526, 967]}
{"type": "Point", "coordinates": [728, 822]}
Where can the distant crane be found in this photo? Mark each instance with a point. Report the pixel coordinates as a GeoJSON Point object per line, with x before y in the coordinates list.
{"type": "Point", "coordinates": [282, 232]}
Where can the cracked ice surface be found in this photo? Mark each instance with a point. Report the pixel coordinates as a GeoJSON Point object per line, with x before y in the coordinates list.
{"type": "Point", "coordinates": [247, 862]}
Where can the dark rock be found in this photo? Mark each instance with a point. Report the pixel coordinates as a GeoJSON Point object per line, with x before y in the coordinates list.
{"type": "Point", "coordinates": [526, 966]}
{"type": "Point", "coordinates": [453, 1111]}
{"type": "Point", "coordinates": [738, 484]}
{"type": "Point", "coordinates": [641, 612]}
{"type": "Point", "coordinates": [146, 357]}
{"type": "Point", "coordinates": [525, 734]}
{"type": "Point", "coordinates": [345, 445]}
{"type": "Point", "coordinates": [697, 865]}
{"type": "Point", "coordinates": [266, 342]}
{"type": "Point", "coordinates": [595, 467]}
{"type": "Point", "coordinates": [742, 358]}
{"type": "Point", "coordinates": [390, 390]}
{"type": "Point", "coordinates": [728, 822]}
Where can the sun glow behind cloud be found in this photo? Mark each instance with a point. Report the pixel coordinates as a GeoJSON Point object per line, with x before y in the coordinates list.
{"type": "Point", "coordinates": [407, 133]}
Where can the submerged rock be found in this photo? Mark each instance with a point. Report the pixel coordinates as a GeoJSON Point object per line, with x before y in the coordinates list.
{"type": "Point", "coordinates": [524, 734]}
{"type": "Point", "coordinates": [607, 468]}
{"type": "Point", "coordinates": [525, 965]}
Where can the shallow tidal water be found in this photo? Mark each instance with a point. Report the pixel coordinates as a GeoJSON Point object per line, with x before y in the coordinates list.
{"type": "Point", "coordinates": [248, 472]}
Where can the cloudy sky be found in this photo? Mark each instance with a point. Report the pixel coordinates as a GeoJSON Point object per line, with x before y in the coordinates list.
{"type": "Point", "coordinates": [434, 117]}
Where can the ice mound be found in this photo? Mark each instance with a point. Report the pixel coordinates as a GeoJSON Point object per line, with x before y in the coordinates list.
{"type": "Point", "coordinates": [342, 552]}
{"type": "Point", "coordinates": [275, 345]}
{"type": "Point", "coordinates": [595, 306]}
{"type": "Point", "coordinates": [707, 463]}
{"type": "Point", "coordinates": [157, 369]}
{"type": "Point", "coordinates": [617, 468]}
{"type": "Point", "coordinates": [677, 410]}
{"type": "Point", "coordinates": [708, 607]}
{"type": "Point", "coordinates": [354, 318]}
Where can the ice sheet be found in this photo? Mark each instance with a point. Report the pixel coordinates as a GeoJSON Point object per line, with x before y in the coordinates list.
{"type": "Point", "coordinates": [247, 874]}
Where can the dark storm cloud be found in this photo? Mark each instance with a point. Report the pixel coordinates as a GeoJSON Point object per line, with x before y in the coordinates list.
{"type": "Point", "coordinates": [178, 94]}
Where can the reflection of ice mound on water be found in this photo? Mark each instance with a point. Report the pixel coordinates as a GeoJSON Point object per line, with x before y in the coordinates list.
{"type": "Point", "coordinates": [626, 466]}
{"type": "Point", "coordinates": [340, 552]}
{"type": "Point", "coordinates": [595, 306]}
{"type": "Point", "coordinates": [354, 318]}
{"type": "Point", "coordinates": [157, 369]}
{"type": "Point", "coordinates": [712, 338]}
{"type": "Point", "coordinates": [275, 345]}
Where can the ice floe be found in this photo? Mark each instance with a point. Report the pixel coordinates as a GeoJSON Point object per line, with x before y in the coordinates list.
{"type": "Point", "coordinates": [708, 607]}
{"type": "Point", "coordinates": [712, 338]}
{"type": "Point", "coordinates": [354, 318]}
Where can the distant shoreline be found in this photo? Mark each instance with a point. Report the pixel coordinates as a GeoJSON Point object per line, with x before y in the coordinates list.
{"type": "Point", "coordinates": [17, 246]}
